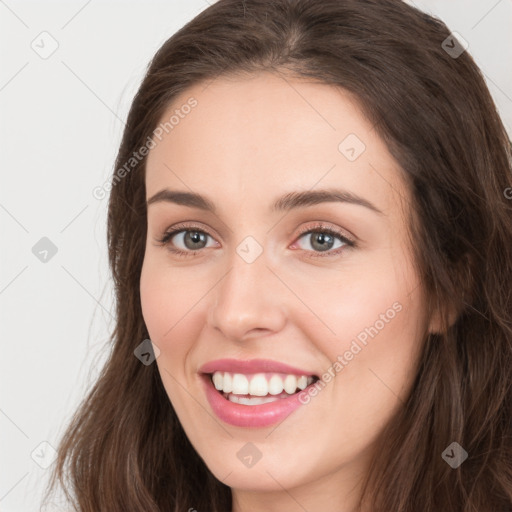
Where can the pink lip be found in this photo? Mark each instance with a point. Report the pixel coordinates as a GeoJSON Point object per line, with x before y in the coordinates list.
{"type": "Point", "coordinates": [252, 366]}
{"type": "Point", "coordinates": [250, 415]}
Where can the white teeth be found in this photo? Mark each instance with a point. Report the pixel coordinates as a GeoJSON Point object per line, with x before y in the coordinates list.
{"type": "Point", "coordinates": [290, 384]}
{"type": "Point", "coordinates": [302, 382]}
{"type": "Point", "coordinates": [259, 384]}
{"type": "Point", "coordinates": [275, 385]}
{"type": "Point", "coordinates": [227, 385]}
{"type": "Point", "coordinates": [257, 400]}
{"type": "Point", "coordinates": [240, 384]}
{"type": "Point", "coordinates": [218, 381]}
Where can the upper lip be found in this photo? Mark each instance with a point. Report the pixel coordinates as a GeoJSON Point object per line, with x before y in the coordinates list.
{"type": "Point", "coordinates": [252, 366]}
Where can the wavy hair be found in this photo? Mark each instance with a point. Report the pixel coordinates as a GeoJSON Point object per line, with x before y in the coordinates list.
{"type": "Point", "coordinates": [125, 449]}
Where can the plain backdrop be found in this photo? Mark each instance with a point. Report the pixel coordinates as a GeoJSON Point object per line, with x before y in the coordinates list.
{"type": "Point", "coordinates": [68, 73]}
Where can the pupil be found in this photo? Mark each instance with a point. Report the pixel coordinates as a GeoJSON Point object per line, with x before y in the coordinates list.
{"type": "Point", "coordinates": [195, 237]}
{"type": "Point", "coordinates": [321, 239]}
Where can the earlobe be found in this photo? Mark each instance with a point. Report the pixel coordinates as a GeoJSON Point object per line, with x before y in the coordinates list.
{"type": "Point", "coordinates": [436, 321]}
{"type": "Point", "coordinates": [455, 306]}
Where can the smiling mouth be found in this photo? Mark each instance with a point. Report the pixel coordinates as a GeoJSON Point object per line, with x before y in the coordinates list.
{"type": "Point", "coordinates": [259, 388]}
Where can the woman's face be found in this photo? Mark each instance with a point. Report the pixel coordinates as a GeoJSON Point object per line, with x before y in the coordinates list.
{"type": "Point", "coordinates": [264, 282]}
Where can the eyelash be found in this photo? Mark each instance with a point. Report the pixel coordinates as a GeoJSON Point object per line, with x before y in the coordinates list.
{"type": "Point", "coordinates": [318, 228]}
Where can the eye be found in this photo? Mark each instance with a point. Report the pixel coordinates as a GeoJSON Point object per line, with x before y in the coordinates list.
{"type": "Point", "coordinates": [191, 238]}
{"type": "Point", "coordinates": [322, 240]}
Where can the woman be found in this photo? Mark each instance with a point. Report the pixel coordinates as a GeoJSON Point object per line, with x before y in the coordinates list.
{"type": "Point", "coordinates": [310, 237]}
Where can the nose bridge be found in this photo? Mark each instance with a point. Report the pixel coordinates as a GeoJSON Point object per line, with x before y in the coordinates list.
{"type": "Point", "coordinates": [245, 299]}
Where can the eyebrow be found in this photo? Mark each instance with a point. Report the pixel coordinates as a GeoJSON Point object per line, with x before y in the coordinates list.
{"type": "Point", "coordinates": [289, 201]}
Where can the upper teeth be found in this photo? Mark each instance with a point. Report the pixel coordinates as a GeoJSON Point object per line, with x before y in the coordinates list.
{"type": "Point", "coordinates": [259, 384]}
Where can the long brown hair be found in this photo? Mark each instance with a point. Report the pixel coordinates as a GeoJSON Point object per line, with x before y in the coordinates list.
{"type": "Point", "coordinates": [125, 448]}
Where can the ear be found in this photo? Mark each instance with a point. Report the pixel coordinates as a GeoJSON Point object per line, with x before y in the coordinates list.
{"type": "Point", "coordinates": [454, 306]}
{"type": "Point", "coordinates": [436, 322]}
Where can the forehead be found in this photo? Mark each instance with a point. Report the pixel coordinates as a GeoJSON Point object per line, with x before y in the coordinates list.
{"type": "Point", "coordinates": [259, 136]}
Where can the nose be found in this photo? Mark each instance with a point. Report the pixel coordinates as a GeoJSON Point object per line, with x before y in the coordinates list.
{"type": "Point", "coordinates": [249, 301]}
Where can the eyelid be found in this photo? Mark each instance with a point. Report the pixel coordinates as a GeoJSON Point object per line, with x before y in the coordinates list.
{"type": "Point", "coordinates": [323, 226]}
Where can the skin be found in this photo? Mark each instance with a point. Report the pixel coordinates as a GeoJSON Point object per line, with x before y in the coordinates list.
{"type": "Point", "coordinates": [248, 141]}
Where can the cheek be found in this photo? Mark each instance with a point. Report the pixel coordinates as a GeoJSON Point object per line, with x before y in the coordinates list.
{"type": "Point", "coordinates": [156, 308]}
{"type": "Point", "coordinates": [164, 295]}
{"type": "Point", "coordinates": [381, 300]}
{"type": "Point", "coordinates": [170, 307]}
{"type": "Point", "coordinates": [376, 324]}
{"type": "Point", "coordinates": [356, 303]}
{"type": "Point", "coordinates": [158, 296]}
{"type": "Point", "coordinates": [379, 353]}
{"type": "Point", "coordinates": [384, 311]}
{"type": "Point", "coordinates": [164, 306]}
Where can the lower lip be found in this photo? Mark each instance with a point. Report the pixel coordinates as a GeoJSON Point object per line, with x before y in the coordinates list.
{"type": "Point", "coordinates": [249, 415]}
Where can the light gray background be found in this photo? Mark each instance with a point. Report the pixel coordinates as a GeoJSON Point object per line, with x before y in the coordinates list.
{"type": "Point", "coordinates": [61, 122]}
